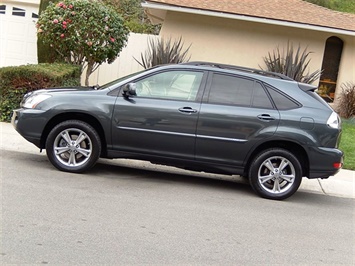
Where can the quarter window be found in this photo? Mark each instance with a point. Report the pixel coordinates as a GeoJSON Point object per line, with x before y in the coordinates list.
{"type": "Point", "coordinates": [174, 85]}
{"type": "Point", "coordinates": [281, 101]}
{"type": "Point", "coordinates": [231, 90]}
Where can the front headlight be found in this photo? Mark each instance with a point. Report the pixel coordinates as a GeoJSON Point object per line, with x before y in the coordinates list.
{"type": "Point", "coordinates": [33, 100]}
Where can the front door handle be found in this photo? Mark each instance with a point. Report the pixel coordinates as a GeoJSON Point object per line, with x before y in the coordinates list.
{"type": "Point", "coordinates": [187, 110]}
{"type": "Point", "coordinates": [266, 117]}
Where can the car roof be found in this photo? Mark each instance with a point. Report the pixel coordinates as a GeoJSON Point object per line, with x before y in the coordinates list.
{"type": "Point", "coordinates": [272, 78]}
{"type": "Point", "coordinates": [213, 66]}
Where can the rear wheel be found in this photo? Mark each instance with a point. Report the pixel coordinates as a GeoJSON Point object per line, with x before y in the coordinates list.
{"type": "Point", "coordinates": [73, 146]}
{"type": "Point", "coordinates": [275, 174]}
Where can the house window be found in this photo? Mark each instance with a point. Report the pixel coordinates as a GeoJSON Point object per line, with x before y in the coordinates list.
{"type": "Point", "coordinates": [330, 67]}
{"type": "Point", "coordinates": [34, 15]}
{"type": "Point", "coordinates": [18, 12]}
{"type": "Point", "coordinates": [2, 9]}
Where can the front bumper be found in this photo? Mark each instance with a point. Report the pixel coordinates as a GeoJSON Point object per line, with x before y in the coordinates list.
{"type": "Point", "coordinates": [30, 124]}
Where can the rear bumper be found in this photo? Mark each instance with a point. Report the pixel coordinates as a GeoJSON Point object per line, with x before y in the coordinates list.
{"type": "Point", "coordinates": [30, 124]}
{"type": "Point", "coordinates": [322, 162]}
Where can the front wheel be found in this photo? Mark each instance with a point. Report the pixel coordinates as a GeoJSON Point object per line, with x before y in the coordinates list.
{"type": "Point", "coordinates": [73, 146]}
{"type": "Point", "coordinates": [275, 174]}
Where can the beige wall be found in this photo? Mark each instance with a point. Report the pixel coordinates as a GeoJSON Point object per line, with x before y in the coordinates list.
{"type": "Point", "coordinates": [347, 64]}
{"type": "Point", "coordinates": [246, 43]}
{"type": "Point", "coordinates": [125, 64]}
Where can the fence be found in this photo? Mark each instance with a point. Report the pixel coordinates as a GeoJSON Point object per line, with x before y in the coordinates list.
{"type": "Point", "coordinates": [124, 64]}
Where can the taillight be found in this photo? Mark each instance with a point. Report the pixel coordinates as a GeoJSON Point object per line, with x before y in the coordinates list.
{"type": "Point", "coordinates": [334, 121]}
{"type": "Point", "coordinates": [337, 165]}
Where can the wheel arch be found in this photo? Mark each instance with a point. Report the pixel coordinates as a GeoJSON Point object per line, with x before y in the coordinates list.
{"type": "Point", "coordinates": [87, 118]}
{"type": "Point", "coordinates": [296, 149]}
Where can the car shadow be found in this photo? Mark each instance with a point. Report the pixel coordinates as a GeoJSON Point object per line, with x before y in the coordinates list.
{"type": "Point", "coordinates": [146, 172]}
{"type": "Point", "coordinates": [133, 170]}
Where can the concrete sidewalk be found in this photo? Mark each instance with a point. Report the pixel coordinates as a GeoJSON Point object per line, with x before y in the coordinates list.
{"type": "Point", "coordinates": [340, 185]}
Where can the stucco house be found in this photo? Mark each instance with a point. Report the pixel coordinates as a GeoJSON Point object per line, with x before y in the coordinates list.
{"type": "Point", "coordinates": [18, 39]}
{"type": "Point", "coordinates": [237, 32]}
{"type": "Point", "coordinates": [242, 32]}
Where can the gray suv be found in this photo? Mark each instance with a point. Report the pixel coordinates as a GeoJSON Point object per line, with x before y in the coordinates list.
{"type": "Point", "coordinates": [198, 116]}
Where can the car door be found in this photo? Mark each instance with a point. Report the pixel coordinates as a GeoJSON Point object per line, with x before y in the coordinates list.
{"type": "Point", "coordinates": [236, 113]}
{"type": "Point", "coordinates": [161, 119]}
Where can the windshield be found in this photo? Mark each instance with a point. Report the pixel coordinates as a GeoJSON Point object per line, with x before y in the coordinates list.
{"type": "Point", "coordinates": [107, 85]}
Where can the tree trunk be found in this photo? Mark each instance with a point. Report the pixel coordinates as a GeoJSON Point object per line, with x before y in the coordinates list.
{"type": "Point", "coordinates": [89, 71]}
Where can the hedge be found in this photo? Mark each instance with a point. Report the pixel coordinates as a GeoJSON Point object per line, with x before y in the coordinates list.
{"type": "Point", "coordinates": [18, 80]}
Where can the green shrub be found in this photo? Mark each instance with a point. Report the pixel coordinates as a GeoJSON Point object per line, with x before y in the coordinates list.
{"type": "Point", "coordinates": [16, 81]}
{"type": "Point", "coordinates": [292, 63]}
{"type": "Point", "coordinates": [346, 100]}
{"type": "Point", "coordinates": [338, 5]}
{"type": "Point", "coordinates": [164, 51]}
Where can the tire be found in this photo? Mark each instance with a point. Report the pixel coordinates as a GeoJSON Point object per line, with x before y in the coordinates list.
{"type": "Point", "coordinates": [275, 174]}
{"type": "Point", "coordinates": [73, 146]}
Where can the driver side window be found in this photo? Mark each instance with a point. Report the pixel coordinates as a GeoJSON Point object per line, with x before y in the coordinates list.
{"type": "Point", "coordinates": [174, 85]}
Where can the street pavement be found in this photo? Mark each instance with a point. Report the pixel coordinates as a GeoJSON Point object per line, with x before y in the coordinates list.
{"type": "Point", "coordinates": [340, 185]}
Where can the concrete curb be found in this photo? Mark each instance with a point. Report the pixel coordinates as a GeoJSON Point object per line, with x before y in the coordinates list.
{"type": "Point", "coordinates": [340, 185]}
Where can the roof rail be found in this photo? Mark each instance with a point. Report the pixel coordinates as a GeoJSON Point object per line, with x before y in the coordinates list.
{"type": "Point", "coordinates": [239, 68]}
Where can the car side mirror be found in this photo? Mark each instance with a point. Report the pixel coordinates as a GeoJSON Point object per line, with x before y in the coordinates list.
{"type": "Point", "coordinates": [129, 90]}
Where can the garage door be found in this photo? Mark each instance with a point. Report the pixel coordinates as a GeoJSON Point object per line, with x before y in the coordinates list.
{"type": "Point", "coordinates": [18, 39]}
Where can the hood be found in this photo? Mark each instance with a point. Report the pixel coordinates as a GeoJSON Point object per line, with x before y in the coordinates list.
{"type": "Point", "coordinates": [53, 91]}
{"type": "Point", "coordinates": [59, 89]}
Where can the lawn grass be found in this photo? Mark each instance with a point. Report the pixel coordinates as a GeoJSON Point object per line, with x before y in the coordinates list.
{"type": "Point", "coordinates": [347, 143]}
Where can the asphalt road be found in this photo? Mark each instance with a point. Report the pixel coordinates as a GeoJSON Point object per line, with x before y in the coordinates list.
{"type": "Point", "coordinates": [119, 214]}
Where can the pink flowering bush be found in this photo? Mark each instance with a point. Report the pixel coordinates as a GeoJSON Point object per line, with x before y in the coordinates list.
{"type": "Point", "coordinates": [84, 32]}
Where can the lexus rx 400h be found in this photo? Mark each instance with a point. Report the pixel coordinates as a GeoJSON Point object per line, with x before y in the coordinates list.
{"type": "Point", "coordinates": [198, 116]}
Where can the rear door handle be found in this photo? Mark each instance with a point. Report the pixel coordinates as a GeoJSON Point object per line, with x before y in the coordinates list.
{"type": "Point", "coordinates": [266, 117]}
{"type": "Point", "coordinates": [187, 110]}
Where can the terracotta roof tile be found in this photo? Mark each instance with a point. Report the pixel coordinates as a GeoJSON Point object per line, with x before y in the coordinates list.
{"type": "Point", "coordinates": [297, 11]}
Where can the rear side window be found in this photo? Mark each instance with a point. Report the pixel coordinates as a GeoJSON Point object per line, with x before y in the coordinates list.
{"type": "Point", "coordinates": [260, 98]}
{"type": "Point", "coordinates": [232, 90]}
{"type": "Point", "coordinates": [282, 101]}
